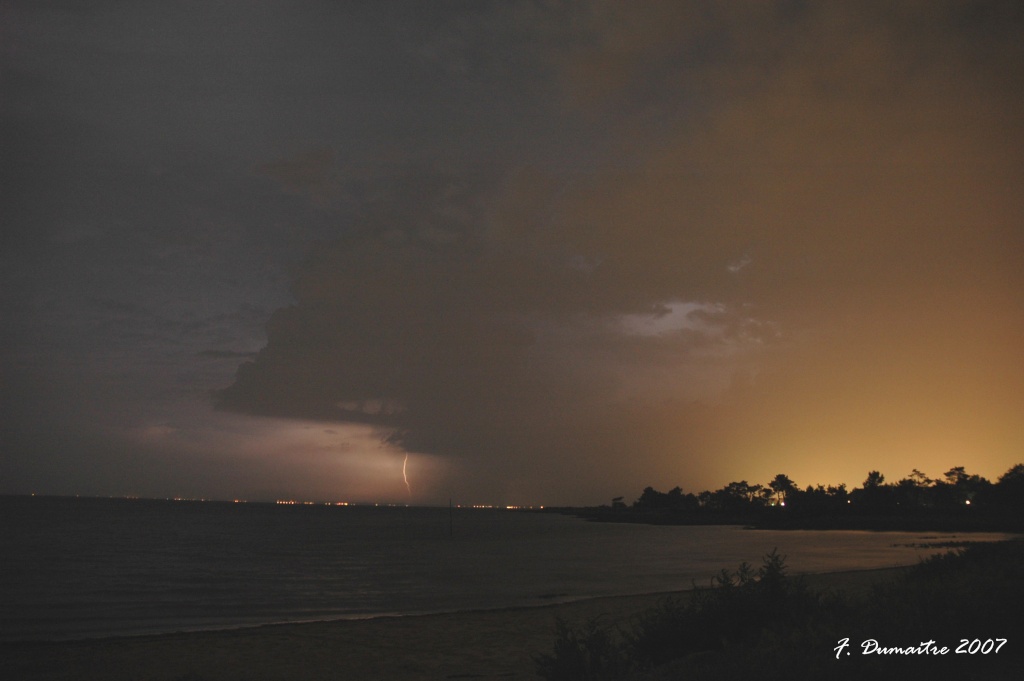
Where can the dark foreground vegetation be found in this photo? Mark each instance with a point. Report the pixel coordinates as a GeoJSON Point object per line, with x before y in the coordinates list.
{"type": "Point", "coordinates": [761, 624]}
{"type": "Point", "coordinates": [958, 501]}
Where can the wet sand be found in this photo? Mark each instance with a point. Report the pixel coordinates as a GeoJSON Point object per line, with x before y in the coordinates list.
{"type": "Point", "coordinates": [494, 644]}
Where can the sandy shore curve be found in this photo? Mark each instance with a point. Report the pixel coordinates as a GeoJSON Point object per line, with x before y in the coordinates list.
{"type": "Point", "coordinates": [491, 644]}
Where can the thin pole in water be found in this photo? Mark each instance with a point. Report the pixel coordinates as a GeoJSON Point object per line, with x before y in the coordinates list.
{"type": "Point", "coordinates": [451, 531]}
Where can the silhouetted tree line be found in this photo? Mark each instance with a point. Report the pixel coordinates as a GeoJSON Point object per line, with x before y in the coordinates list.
{"type": "Point", "coordinates": [957, 496]}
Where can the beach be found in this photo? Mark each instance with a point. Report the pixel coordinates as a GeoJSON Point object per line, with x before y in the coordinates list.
{"type": "Point", "coordinates": [490, 644]}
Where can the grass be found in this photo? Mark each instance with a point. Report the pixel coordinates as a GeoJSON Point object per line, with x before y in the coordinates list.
{"type": "Point", "coordinates": [766, 625]}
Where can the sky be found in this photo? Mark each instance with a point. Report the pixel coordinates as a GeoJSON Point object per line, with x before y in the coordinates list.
{"type": "Point", "coordinates": [507, 252]}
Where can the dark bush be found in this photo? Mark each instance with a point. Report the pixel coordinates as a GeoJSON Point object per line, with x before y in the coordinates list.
{"type": "Point", "coordinates": [766, 625]}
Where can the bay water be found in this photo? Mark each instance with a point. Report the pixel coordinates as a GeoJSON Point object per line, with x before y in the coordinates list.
{"type": "Point", "coordinates": [79, 568]}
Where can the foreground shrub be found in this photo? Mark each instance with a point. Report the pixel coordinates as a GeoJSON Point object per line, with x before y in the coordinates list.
{"type": "Point", "coordinates": [737, 606]}
{"type": "Point", "coordinates": [768, 626]}
{"type": "Point", "coordinates": [588, 655]}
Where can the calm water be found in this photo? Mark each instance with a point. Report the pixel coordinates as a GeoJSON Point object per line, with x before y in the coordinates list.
{"type": "Point", "coordinates": [95, 567]}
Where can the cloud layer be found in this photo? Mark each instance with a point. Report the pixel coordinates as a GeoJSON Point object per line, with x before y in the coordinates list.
{"type": "Point", "coordinates": [556, 252]}
{"type": "Point", "coordinates": [834, 190]}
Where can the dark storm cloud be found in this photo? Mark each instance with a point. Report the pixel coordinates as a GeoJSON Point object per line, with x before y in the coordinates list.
{"type": "Point", "coordinates": [827, 175]}
{"type": "Point", "coordinates": [575, 248]}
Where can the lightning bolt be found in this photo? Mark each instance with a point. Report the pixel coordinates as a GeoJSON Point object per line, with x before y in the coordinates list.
{"type": "Point", "coordinates": [405, 476]}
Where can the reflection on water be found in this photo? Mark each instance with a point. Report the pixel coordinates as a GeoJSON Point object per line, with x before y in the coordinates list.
{"type": "Point", "coordinates": [87, 567]}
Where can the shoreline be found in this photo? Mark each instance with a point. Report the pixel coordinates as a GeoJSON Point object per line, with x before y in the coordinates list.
{"type": "Point", "coordinates": [553, 601]}
{"type": "Point", "coordinates": [496, 643]}
{"type": "Point", "coordinates": [948, 521]}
